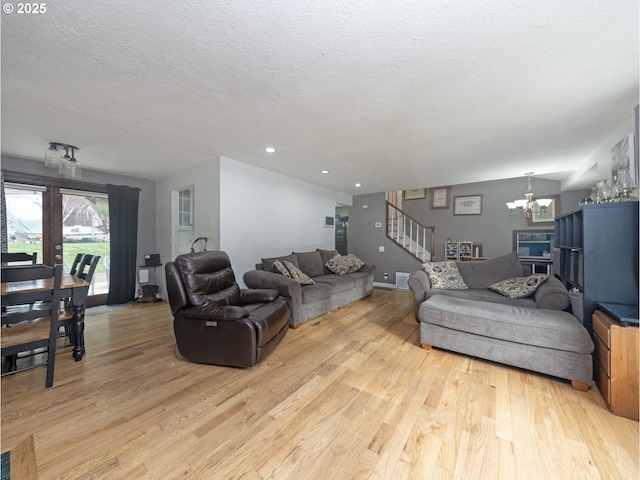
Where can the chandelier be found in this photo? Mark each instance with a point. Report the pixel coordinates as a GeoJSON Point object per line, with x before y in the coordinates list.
{"type": "Point", "coordinates": [66, 164]}
{"type": "Point", "coordinates": [528, 206]}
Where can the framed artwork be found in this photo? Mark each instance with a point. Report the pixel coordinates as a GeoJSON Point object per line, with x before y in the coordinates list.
{"type": "Point", "coordinates": [415, 194]}
{"type": "Point", "coordinates": [467, 205]}
{"type": "Point", "coordinates": [548, 215]}
{"type": "Point", "coordinates": [440, 197]}
{"type": "Point", "coordinates": [623, 156]}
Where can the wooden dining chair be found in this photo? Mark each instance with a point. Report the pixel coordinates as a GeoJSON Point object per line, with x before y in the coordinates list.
{"type": "Point", "coordinates": [25, 328]}
{"type": "Point", "coordinates": [19, 273]}
{"type": "Point", "coordinates": [76, 263]}
{"type": "Point", "coordinates": [84, 266]}
{"type": "Point", "coordinates": [21, 257]}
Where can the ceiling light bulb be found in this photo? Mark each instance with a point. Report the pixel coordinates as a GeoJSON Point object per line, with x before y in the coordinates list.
{"type": "Point", "coordinates": [358, 185]}
{"type": "Point", "coordinates": [270, 150]}
{"type": "Point", "coordinates": [324, 171]}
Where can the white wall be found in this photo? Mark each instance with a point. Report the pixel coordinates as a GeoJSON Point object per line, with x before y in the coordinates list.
{"type": "Point", "coordinates": [599, 162]}
{"type": "Point", "coordinates": [206, 181]}
{"type": "Point", "coordinates": [264, 214]}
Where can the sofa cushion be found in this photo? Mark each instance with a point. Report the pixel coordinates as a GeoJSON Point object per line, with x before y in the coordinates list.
{"type": "Point", "coordinates": [267, 263]}
{"type": "Point", "coordinates": [298, 274]}
{"type": "Point", "coordinates": [359, 278]}
{"type": "Point", "coordinates": [481, 274]}
{"type": "Point", "coordinates": [279, 267]}
{"type": "Point", "coordinates": [310, 263]}
{"type": "Point", "coordinates": [338, 283]}
{"type": "Point", "coordinates": [483, 295]}
{"type": "Point", "coordinates": [444, 275]}
{"type": "Point", "coordinates": [528, 326]}
{"type": "Point", "coordinates": [519, 287]}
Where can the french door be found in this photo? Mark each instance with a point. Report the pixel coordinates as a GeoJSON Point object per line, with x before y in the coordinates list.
{"type": "Point", "coordinates": [58, 221]}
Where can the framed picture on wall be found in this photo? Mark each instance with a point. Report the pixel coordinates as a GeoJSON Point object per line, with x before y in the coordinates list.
{"type": "Point", "coordinates": [547, 216]}
{"type": "Point", "coordinates": [415, 194]}
{"type": "Point", "coordinates": [467, 205]}
{"type": "Point", "coordinates": [440, 197]}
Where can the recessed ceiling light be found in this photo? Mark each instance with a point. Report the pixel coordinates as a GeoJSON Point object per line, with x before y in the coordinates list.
{"type": "Point", "coordinates": [358, 185]}
{"type": "Point", "coordinates": [270, 150]}
{"type": "Point", "coordinates": [324, 171]}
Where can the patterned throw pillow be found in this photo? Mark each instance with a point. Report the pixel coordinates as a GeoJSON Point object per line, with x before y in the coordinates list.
{"type": "Point", "coordinates": [354, 263]}
{"type": "Point", "coordinates": [343, 264]}
{"type": "Point", "coordinates": [297, 274]}
{"type": "Point", "coordinates": [444, 275]}
{"type": "Point", "coordinates": [519, 287]}
{"type": "Point", "coordinates": [278, 267]}
{"type": "Point", "coordinates": [338, 264]}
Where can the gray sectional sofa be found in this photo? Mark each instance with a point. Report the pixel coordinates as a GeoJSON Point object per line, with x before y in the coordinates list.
{"type": "Point", "coordinates": [534, 333]}
{"type": "Point", "coordinates": [329, 291]}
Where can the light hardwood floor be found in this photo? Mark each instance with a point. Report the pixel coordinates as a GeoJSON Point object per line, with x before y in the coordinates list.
{"type": "Point", "coordinates": [348, 395]}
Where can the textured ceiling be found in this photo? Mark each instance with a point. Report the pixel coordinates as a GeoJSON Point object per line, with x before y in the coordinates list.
{"type": "Point", "coordinates": [394, 95]}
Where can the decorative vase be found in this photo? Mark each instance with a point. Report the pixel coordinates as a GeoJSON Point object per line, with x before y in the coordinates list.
{"type": "Point", "coordinates": [603, 192]}
{"type": "Point", "coordinates": [624, 186]}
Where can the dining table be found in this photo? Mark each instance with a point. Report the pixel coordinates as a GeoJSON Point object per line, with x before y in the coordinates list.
{"type": "Point", "coordinates": [72, 287]}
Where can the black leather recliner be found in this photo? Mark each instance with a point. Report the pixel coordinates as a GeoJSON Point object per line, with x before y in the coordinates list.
{"type": "Point", "coordinates": [217, 322]}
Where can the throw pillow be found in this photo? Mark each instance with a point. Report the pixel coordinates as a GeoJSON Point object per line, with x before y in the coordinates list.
{"type": "Point", "coordinates": [278, 267]}
{"type": "Point", "coordinates": [338, 264]}
{"type": "Point", "coordinates": [519, 287]}
{"type": "Point", "coordinates": [444, 275]}
{"type": "Point", "coordinates": [297, 274]}
{"type": "Point", "coordinates": [354, 263]}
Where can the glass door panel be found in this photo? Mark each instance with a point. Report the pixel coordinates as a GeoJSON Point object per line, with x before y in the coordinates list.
{"type": "Point", "coordinates": [24, 219]}
{"type": "Point", "coordinates": [85, 229]}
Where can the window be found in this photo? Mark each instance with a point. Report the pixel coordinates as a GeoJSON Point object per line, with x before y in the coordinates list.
{"type": "Point", "coordinates": [185, 207]}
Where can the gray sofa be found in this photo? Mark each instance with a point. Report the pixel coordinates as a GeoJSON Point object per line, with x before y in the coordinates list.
{"type": "Point", "coordinates": [328, 292]}
{"type": "Point", "coordinates": [534, 333]}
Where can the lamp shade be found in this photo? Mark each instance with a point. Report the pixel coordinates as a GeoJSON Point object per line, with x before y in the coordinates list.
{"type": "Point", "coordinates": [51, 157]}
{"type": "Point", "coordinates": [73, 170]}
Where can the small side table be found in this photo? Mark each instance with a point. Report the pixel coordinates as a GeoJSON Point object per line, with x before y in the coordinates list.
{"type": "Point", "coordinates": [616, 364]}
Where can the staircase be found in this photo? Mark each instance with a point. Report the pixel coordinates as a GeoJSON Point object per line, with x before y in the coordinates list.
{"type": "Point", "coordinates": [413, 237]}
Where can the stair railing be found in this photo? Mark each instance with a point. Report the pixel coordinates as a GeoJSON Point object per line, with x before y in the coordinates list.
{"type": "Point", "coordinates": [409, 234]}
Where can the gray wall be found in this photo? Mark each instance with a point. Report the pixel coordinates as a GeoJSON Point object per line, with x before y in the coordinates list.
{"type": "Point", "coordinates": [494, 228]}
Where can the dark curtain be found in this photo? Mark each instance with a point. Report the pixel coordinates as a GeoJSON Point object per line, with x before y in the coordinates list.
{"type": "Point", "coordinates": [123, 220]}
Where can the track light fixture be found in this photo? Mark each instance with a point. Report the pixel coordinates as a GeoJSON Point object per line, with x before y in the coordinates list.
{"type": "Point", "coordinates": [67, 165]}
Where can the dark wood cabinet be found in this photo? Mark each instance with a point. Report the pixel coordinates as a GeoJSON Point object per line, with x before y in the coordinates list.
{"type": "Point", "coordinates": [598, 253]}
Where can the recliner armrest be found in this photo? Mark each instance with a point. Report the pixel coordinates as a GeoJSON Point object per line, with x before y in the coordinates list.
{"type": "Point", "coordinates": [257, 295]}
{"type": "Point", "coordinates": [230, 312]}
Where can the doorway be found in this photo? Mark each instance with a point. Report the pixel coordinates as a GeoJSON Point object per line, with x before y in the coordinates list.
{"type": "Point", "coordinates": [58, 223]}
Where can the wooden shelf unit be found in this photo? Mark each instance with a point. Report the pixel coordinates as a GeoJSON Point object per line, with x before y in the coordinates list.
{"type": "Point", "coordinates": [616, 364]}
{"type": "Point", "coordinates": [598, 253]}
